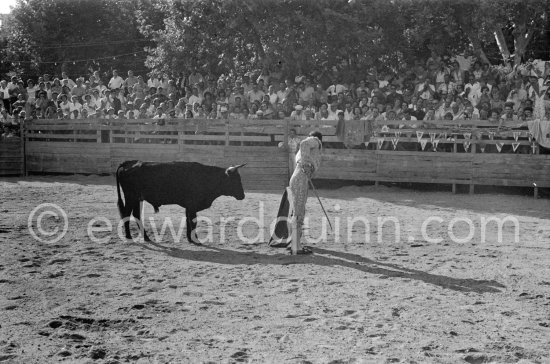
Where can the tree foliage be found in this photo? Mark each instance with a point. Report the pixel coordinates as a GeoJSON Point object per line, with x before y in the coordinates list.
{"type": "Point", "coordinates": [295, 35]}
{"type": "Point", "coordinates": [49, 35]}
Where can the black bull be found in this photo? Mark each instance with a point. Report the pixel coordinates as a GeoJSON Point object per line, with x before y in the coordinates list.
{"type": "Point", "coordinates": [191, 185]}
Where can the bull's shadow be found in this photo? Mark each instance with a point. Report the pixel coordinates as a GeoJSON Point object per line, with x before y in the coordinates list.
{"type": "Point", "coordinates": [328, 258]}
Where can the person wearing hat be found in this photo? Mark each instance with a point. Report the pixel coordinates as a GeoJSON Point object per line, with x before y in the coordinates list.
{"type": "Point", "coordinates": [292, 209]}
{"type": "Point", "coordinates": [75, 104]}
{"type": "Point", "coordinates": [298, 113]}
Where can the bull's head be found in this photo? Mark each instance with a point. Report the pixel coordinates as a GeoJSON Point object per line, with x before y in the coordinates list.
{"type": "Point", "coordinates": [234, 187]}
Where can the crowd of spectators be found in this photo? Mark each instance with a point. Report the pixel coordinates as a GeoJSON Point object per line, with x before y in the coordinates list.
{"type": "Point", "coordinates": [437, 89]}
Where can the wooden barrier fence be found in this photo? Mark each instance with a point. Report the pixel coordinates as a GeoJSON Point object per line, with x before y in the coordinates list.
{"type": "Point", "coordinates": [11, 156]}
{"type": "Point", "coordinates": [449, 152]}
{"type": "Point", "coordinates": [98, 146]}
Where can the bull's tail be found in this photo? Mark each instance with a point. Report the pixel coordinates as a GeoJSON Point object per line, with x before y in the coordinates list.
{"type": "Point", "coordinates": [120, 203]}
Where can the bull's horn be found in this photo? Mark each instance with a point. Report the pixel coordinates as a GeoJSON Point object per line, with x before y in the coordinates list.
{"type": "Point", "coordinates": [234, 169]}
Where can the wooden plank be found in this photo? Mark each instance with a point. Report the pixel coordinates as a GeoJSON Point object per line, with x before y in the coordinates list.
{"type": "Point", "coordinates": [61, 136]}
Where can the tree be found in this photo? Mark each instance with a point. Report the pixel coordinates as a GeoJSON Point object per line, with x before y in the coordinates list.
{"type": "Point", "coordinates": [245, 34]}
{"type": "Point", "coordinates": [74, 36]}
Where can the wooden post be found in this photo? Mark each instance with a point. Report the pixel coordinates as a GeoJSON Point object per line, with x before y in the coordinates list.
{"type": "Point", "coordinates": [111, 138]}
{"type": "Point", "coordinates": [473, 146]}
{"type": "Point", "coordinates": [227, 133]}
{"type": "Point", "coordinates": [23, 156]}
{"type": "Point", "coordinates": [455, 149]}
{"type": "Point", "coordinates": [98, 133]}
{"type": "Point", "coordinates": [181, 138]}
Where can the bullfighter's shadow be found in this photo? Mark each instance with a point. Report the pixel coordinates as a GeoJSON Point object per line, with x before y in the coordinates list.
{"type": "Point", "coordinates": [328, 258]}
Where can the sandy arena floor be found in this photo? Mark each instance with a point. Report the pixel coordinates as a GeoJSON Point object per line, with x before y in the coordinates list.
{"type": "Point", "coordinates": [379, 297]}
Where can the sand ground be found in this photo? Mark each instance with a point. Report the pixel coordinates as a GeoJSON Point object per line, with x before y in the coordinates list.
{"type": "Point", "coordinates": [375, 296]}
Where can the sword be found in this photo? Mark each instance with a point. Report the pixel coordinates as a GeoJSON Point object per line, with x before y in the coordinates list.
{"type": "Point", "coordinates": [315, 191]}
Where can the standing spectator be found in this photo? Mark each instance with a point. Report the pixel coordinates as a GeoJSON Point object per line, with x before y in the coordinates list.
{"type": "Point", "coordinates": [5, 93]}
{"type": "Point", "coordinates": [195, 97]}
{"type": "Point", "coordinates": [116, 81]}
{"type": "Point", "coordinates": [457, 75]}
{"type": "Point", "coordinates": [14, 91]}
{"type": "Point", "coordinates": [130, 81]}
{"type": "Point", "coordinates": [195, 77]}
{"type": "Point", "coordinates": [153, 81]}
{"type": "Point", "coordinates": [306, 91]}
{"type": "Point", "coordinates": [273, 97]}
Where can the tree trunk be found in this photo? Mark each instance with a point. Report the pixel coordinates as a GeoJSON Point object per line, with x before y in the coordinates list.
{"type": "Point", "coordinates": [502, 46]}
{"type": "Point", "coordinates": [478, 49]}
{"type": "Point", "coordinates": [521, 40]}
{"type": "Point", "coordinates": [522, 36]}
{"type": "Point", "coordinates": [464, 20]}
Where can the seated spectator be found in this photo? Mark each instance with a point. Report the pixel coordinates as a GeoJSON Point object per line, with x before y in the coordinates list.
{"type": "Point", "coordinates": [424, 89]}
{"type": "Point", "coordinates": [79, 90]}
{"type": "Point", "coordinates": [448, 116]}
{"type": "Point", "coordinates": [528, 114]}
{"type": "Point", "coordinates": [407, 115]}
{"type": "Point", "coordinates": [65, 80]}
{"type": "Point", "coordinates": [298, 114]}
{"type": "Point", "coordinates": [111, 115]}
{"type": "Point", "coordinates": [64, 104]}
{"type": "Point", "coordinates": [130, 81]}
{"type": "Point", "coordinates": [41, 104]}
{"type": "Point", "coordinates": [255, 94]}
{"type": "Point", "coordinates": [494, 117]}
{"type": "Point", "coordinates": [20, 103]}
{"type": "Point", "coordinates": [508, 114]}
{"type": "Point", "coordinates": [75, 104]}
{"type": "Point", "coordinates": [447, 86]}
{"type": "Point", "coordinates": [223, 113]}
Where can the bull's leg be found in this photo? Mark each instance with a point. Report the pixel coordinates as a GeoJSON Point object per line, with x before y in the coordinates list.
{"type": "Point", "coordinates": [125, 214]}
{"type": "Point", "coordinates": [192, 227]}
{"type": "Point", "coordinates": [137, 215]}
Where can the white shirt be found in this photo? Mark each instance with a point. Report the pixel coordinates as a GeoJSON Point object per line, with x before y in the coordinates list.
{"type": "Point", "coordinates": [116, 82]}
{"type": "Point", "coordinates": [273, 98]}
{"type": "Point", "coordinates": [193, 99]}
{"type": "Point", "coordinates": [310, 152]}
{"type": "Point", "coordinates": [5, 92]}
{"type": "Point", "coordinates": [336, 89]}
